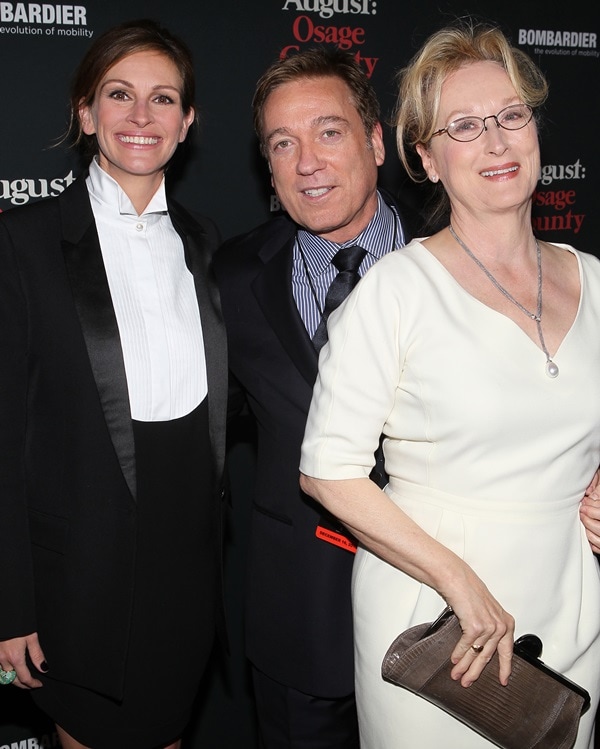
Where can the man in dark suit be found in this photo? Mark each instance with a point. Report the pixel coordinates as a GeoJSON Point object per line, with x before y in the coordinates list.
{"type": "Point", "coordinates": [317, 119]}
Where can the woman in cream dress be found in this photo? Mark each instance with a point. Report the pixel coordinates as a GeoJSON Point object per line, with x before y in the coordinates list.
{"type": "Point", "coordinates": [491, 417]}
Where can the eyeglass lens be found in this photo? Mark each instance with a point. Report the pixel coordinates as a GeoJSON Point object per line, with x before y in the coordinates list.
{"type": "Point", "coordinates": [511, 118]}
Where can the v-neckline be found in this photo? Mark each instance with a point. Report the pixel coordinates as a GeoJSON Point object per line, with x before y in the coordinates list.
{"type": "Point", "coordinates": [468, 295]}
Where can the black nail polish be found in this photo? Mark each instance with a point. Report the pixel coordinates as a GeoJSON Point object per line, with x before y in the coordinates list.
{"type": "Point", "coordinates": [43, 667]}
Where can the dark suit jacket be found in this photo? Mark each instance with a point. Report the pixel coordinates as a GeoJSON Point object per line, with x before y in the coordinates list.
{"type": "Point", "coordinates": [298, 613]}
{"type": "Point", "coordinates": [67, 458]}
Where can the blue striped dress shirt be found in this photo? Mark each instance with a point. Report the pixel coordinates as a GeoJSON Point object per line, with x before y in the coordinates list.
{"type": "Point", "coordinates": [313, 272]}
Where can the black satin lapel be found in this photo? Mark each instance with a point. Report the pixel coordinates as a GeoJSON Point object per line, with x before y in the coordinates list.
{"type": "Point", "coordinates": [273, 291]}
{"type": "Point", "coordinates": [99, 325]}
{"type": "Point", "coordinates": [198, 258]}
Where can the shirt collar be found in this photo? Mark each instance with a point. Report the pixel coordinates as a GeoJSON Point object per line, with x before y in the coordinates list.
{"type": "Point", "coordinates": [108, 192]}
{"type": "Point", "coordinates": [377, 238]}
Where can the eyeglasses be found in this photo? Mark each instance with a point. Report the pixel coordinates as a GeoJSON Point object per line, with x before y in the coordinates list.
{"type": "Point", "coordinates": [465, 129]}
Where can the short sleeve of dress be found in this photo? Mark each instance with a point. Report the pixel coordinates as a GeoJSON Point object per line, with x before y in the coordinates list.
{"type": "Point", "coordinates": [359, 372]}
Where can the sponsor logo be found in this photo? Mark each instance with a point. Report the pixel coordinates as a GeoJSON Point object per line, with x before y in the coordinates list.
{"type": "Point", "coordinates": [69, 15]}
{"type": "Point", "coordinates": [41, 742]}
{"type": "Point", "coordinates": [21, 191]}
{"type": "Point", "coordinates": [560, 214]}
{"type": "Point", "coordinates": [556, 42]}
{"type": "Point", "coordinates": [327, 8]}
{"type": "Point", "coordinates": [35, 19]}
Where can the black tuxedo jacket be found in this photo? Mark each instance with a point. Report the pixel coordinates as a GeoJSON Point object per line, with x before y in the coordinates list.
{"type": "Point", "coordinates": [67, 458]}
{"type": "Point", "coordinates": [298, 609]}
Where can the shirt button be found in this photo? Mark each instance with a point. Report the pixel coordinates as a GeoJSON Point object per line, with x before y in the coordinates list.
{"type": "Point", "coordinates": [139, 227]}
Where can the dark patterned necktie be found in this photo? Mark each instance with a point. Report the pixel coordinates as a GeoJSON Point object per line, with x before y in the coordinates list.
{"type": "Point", "coordinates": [347, 261]}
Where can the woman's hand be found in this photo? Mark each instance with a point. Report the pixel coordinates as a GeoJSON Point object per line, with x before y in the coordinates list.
{"type": "Point", "coordinates": [12, 656]}
{"type": "Point", "coordinates": [486, 628]}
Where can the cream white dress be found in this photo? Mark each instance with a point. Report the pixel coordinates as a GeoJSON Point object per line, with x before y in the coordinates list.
{"type": "Point", "coordinates": [485, 452]}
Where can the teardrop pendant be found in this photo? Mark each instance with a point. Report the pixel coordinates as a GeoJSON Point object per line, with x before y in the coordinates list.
{"type": "Point", "coordinates": [551, 367]}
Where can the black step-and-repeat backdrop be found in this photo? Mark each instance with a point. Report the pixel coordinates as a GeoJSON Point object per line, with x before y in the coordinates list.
{"type": "Point", "coordinates": [225, 178]}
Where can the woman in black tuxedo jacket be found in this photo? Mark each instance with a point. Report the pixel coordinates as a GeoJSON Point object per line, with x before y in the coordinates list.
{"type": "Point", "coordinates": [112, 417]}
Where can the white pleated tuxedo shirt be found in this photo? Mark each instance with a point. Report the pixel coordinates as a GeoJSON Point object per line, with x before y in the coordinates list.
{"type": "Point", "coordinates": [155, 302]}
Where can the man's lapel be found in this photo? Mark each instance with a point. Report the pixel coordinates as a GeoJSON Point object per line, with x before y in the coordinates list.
{"type": "Point", "coordinates": [273, 290]}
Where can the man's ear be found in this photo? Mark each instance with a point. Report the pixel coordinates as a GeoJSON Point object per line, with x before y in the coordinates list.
{"type": "Point", "coordinates": [377, 144]}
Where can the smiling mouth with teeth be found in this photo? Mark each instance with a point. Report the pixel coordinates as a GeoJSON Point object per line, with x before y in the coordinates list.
{"type": "Point", "coordinates": [499, 171]}
{"type": "Point", "coordinates": [317, 193]}
{"type": "Point", "coordinates": [138, 140]}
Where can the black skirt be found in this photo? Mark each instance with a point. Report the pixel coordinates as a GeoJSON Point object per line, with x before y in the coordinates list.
{"type": "Point", "coordinates": [173, 609]}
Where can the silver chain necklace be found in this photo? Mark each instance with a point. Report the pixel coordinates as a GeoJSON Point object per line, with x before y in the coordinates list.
{"type": "Point", "coordinates": [551, 367]}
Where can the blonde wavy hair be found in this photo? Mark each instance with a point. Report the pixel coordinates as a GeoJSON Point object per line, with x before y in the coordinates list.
{"type": "Point", "coordinates": [420, 85]}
